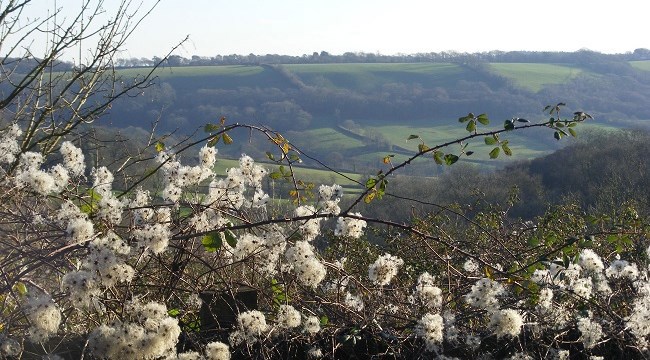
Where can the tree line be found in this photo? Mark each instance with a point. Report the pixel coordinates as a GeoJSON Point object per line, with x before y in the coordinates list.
{"type": "Point", "coordinates": [597, 173]}
{"type": "Point", "coordinates": [324, 57]}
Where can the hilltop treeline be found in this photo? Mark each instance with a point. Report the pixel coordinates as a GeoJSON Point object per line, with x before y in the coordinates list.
{"type": "Point", "coordinates": [584, 56]}
{"type": "Point", "coordinates": [324, 57]}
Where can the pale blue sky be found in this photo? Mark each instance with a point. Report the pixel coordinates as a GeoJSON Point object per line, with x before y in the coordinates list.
{"type": "Point", "coordinates": [297, 27]}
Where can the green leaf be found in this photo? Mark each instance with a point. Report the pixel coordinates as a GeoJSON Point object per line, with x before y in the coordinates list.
{"type": "Point", "coordinates": [450, 159]}
{"type": "Point", "coordinates": [194, 326]}
{"type": "Point", "coordinates": [160, 146]}
{"type": "Point", "coordinates": [173, 312]}
{"type": "Point", "coordinates": [495, 153]}
{"type": "Point", "coordinates": [212, 241]}
{"type": "Point", "coordinates": [280, 296]}
{"type": "Point", "coordinates": [468, 153]}
{"type": "Point", "coordinates": [509, 125]}
{"type": "Point", "coordinates": [275, 175]}
{"type": "Point", "coordinates": [86, 209]}
{"type": "Point", "coordinates": [94, 195]}
{"type": "Point", "coordinates": [471, 126]}
{"type": "Point", "coordinates": [214, 140]}
{"type": "Point", "coordinates": [411, 137]}
{"type": "Point", "coordinates": [573, 132]}
{"type": "Point", "coordinates": [21, 288]}
{"type": "Point", "coordinates": [422, 148]}
{"type": "Point", "coordinates": [490, 140]}
{"type": "Point", "coordinates": [231, 239]}
{"type": "Point", "coordinates": [523, 120]}
{"type": "Point", "coordinates": [369, 197]}
{"type": "Point", "coordinates": [324, 320]}
{"type": "Point", "coordinates": [270, 156]}
{"type": "Point", "coordinates": [437, 157]}
{"type": "Point", "coordinates": [557, 135]}
{"type": "Point", "coordinates": [382, 185]}
{"type": "Point", "coordinates": [210, 128]}
{"type": "Point", "coordinates": [227, 139]}
{"type": "Point", "coordinates": [370, 183]}
{"type": "Point", "coordinates": [506, 149]}
{"type": "Point", "coordinates": [483, 119]}
{"type": "Point", "coordinates": [466, 118]}
{"type": "Point", "coordinates": [381, 192]}
{"type": "Point", "coordinates": [488, 273]}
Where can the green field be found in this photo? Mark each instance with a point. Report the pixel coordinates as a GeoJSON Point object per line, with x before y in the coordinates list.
{"type": "Point", "coordinates": [317, 176]}
{"type": "Point", "coordinates": [535, 76]}
{"type": "Point", "coordinates": [372, 76]}
{"type": "Point", "coordinates": [191, 78]}
{"type": "Point", "coordinates": [523, 147]}
{"type": "Point", "coordinates": [641, 65]}
{"type": "Point", "coordinates": [324, 139]}
{"type": "Point", "coordinates": [363, 77]}
{"type": "Point", "coordinates": [193, 71]}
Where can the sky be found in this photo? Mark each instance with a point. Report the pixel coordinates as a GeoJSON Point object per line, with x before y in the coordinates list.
{"type": "Point", "coordinates": [296, 27]}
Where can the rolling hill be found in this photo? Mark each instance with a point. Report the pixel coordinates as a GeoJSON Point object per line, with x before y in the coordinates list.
{"type": "Point", "coordinates": [353, 114]}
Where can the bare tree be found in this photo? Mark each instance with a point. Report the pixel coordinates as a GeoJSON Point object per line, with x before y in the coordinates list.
{"type": "Point", "coordinates": [48, 97]}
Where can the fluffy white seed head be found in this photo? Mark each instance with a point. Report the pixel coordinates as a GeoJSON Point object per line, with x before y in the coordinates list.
{"type": "Point", "coordinates": [251, 325]}
{"type": "Point", "coordinates": [484, 294]}
{"type": "Point", "coordinates": [382, 271]}
{"type": "Point", "coordinates": [426, 291]}
{"type": "Point", "coordinates": [430, 328]}
{"type": "Point", "coordinates": [311, 324]}
{"type": "Point", "coordinates": [208, 156]}
{"type": "Point", "coordinates": [44, 317]}
{"type": "Point", "coordinates": [103, 181]}
{"type": "Point", "coordinates": [591, 332]}
{"type": "Point", "coordinates": [154, 237]}
{"type": "Point", "coordinates": [591, 262]}
{"type": "Point", "coordinates": [308, 269]}
{"type": "Point", "coordinates": [309, 228]}
{"type": "Point", "coordinates": [9, 146]}
{"type": "Point", "coordinates": [73, 159]}
{"type": "Point", "coordinates": [350, 227]}
{"type": "Point", "coordinates": [621, 269]}
{"type": "Point", "coordinates": [288, 317]}
{"type": "Point", "coordinates": [506, 322]}
{"type": "Point", "coordinates": [353, 302]}
{"type": "Point", "coordinates": [217, 351]}
{"type": "Point", "coordinates": [80, 230]}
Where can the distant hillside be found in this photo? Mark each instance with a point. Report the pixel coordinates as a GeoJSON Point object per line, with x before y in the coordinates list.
{"type": "Point", "coordinates": [385, 102]}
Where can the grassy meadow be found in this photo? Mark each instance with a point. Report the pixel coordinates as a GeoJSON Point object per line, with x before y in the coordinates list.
{"type": "Point", "coordinates": [533, 76]}
{"type": "Point", "coordinates": [194, 71]}
{"type": "Point", "coordinates": [350, 181]}
{"type": "Point", "coordinates": [372, 76]}
{"type": "Point", "coordinates": [641, 65]}
{"type": "Point", "coordinates": [191, 78]}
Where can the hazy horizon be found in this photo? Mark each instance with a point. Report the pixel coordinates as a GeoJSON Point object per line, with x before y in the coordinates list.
{"type": "Point", "coordinates": [293, 27]}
